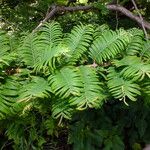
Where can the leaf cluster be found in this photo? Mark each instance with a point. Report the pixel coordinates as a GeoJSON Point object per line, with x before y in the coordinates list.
{"type": "Point", "coordinates": [49, 77]}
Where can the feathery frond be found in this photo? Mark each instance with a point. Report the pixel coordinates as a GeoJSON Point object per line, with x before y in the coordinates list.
{"type": "Point", "coordinates": [91, 91]}
{"type": "Point", "coordinates": [146, 88]}
{"type": "Point", "coordinates": [121, 88]}
{"type": "Point", "coordinates": [108, 45]}
{"type": "Point", "coordinates": [134, 68]}
{"type": "Point", "coordinates": [4, 107]}
{"type": "Point", "coordinates": [8, 96]}
{"type": "Point", "coordinates": [146, 51]}
{"type": "Point", "coordinates": [5, 55]}
{"type": "Point", "coordinates": [98, 31]}
{"type": "Point", "coordinates": [78, 41]}
{"type": "Point", "coordinates": [61, 109]}
{"type": "Point", "coordinates": [50, 46]}
{"type": "Point", "coordinates": [51, 34]}
{"type": "Point", "coordinates": [49, 57]}
{"type": "Point", "coordinates": [66, 82]}
{"type": "Point", "coordinates": [38, 87]}
{"type": "Point", "coordinates": [39, 51]}
{"type": "Point", "coordinates": [81, 84]}
{"type": "Point", "coordinates": [136, 42]}
{"type": "Point", "coordinates": [29, 50]}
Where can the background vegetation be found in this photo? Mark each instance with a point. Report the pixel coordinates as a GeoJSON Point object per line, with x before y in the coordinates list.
{"type": "Point", "coordinates": [81, 81]}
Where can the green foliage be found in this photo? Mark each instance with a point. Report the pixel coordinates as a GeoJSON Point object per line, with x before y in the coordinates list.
{"type": "Point", "coordinates": [133, 65]}
{"type": "Point", "coordinates": [81, 84]}
{"type": "Point", "coordinates": [136, 43]}
{"type": "Point", "coordinates": [66, 82]}
{"type": "Point", "coordinates": [146, 51]}
{"type": "Point", "coordinates": [78, 41]}
{"type": "Point", "coordinates": [5, 54]}
{"type": "Point", "coordinates": [91, 93]}
{"type": "Point", "coordinates": [108, 45]}
{"type": "Point", "coordinates": [40, 51]}
{"type": "Point", "coordinates": [32, 89]}
{"type": "Point", "coordinates": [121, 88]}
{"type": "Point", "coordinates": [81, 76]}
{"type": "Point", "coordinates": [9, 92]}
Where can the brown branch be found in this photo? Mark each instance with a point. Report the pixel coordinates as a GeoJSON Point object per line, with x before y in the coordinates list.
{"type": "Point", "coordinates": [129, 14]}
{"type": "Point", "coordinates": [57, 9]}
{"type": "Point", "coordinates": [140, 16]}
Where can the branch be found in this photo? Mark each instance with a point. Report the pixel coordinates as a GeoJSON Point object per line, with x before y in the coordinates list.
{"type": "Point", "coordinates": [140, 16]}
{"type": "Point", "coordinates": [129, 14]}
{"type": "Point", "coordinates": [49, 15]}
{"type": "Point", "coordinates": [62, 9]}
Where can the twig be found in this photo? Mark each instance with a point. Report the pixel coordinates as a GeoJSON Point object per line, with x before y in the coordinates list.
{"type": "Point", "coordinates": [129, 14]}
{"type": "Point", "coordinates": [140, 16]}
{"type": "Point", "coordinates": [48, 16]}
{"type": "Point", "coordinates": [117, 20]}
{"type": "Point", "coordinates": [118, 8]}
